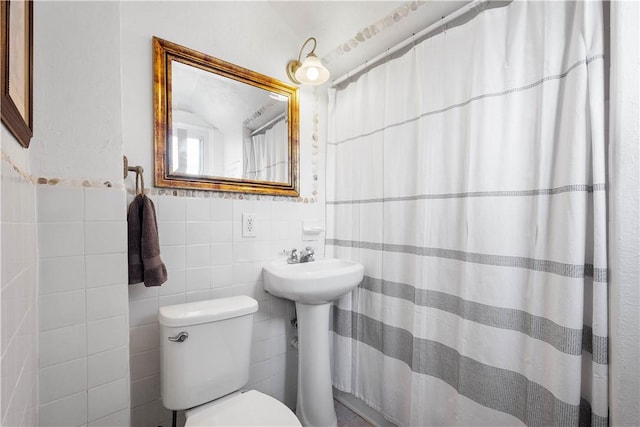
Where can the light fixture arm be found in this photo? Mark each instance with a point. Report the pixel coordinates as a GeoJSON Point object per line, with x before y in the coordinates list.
{"type": "Point", "coordinates": [304, 44]}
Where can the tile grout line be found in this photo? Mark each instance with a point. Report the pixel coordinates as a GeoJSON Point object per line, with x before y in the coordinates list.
{"type": "Point", "coordinates": [86, 302]}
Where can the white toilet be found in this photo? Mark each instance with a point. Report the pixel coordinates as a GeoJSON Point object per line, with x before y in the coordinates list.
{"type": "Point", "coordinates": [205, 351]}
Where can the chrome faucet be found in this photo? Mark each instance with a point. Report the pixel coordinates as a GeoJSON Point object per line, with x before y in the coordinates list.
{"type": "Point", "coordinates": [307, 255]}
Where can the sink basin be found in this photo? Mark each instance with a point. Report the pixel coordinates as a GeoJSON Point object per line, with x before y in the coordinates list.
{"type": "Point", "coordinates": [317, 282]}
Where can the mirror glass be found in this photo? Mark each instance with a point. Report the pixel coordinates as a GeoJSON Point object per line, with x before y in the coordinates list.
{"type": "Point", "coordinates": [222, 127]}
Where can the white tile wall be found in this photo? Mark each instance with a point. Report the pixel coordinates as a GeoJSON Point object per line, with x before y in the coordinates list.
{"type": "Point", "coordinates": [62, 275]}
{"type": "Point", "coordinates": [62, 309]}
{"type": "Point", "coordinates": [105, 269]}
{"type": "Point", "coordinates": [62, 380]}
{"type": "Point", "coordinates": [68, 411]}
{"type": "Point", "coordinates": [83, 306]}
{"type": "Point", "coordinates": [118, 419]}
{"type": "Point", "coordinates": [106, 301]}
{"type": "Point", "coordinates": [57, 239]}
{"type": "Point", "coordinates": [207, 257]}
{"type": "Point", "coordinates": [74, 338]}
{"type": "Point", "coordinates": [103, 335]}
{"type": "Point", "coordinates": [107, 366]}
{"type": "Point", "coordinates": [18, 300]}
{"type": "Point", "coordinates": [108, 398]}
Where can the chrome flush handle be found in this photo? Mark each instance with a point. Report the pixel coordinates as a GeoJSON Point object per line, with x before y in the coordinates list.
{"type": "Point", "coordinates": [180, 337]}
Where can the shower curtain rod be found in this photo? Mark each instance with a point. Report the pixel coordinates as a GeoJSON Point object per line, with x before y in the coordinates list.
{"type": "Point", "coordinates": [269, 123]}
{"type": "Point", "coordinates": [443, 21]}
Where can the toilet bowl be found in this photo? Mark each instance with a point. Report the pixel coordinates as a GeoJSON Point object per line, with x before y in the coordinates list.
{"type": "Point", "coordinates": [250, 408]}
{"type": "Point", "coordinates": [205, 350]}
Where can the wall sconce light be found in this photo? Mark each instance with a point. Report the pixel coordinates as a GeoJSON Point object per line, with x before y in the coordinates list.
{"type": "Point", "coordinates": [309, 72]}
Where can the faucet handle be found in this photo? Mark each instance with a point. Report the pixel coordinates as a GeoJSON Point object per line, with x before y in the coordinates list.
{"type": "Point", "coordinates": [308, 254]}
{"type": "Point", "coordinates": [293, 256]}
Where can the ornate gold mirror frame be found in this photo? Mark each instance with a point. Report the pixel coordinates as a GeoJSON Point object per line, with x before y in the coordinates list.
{"type": "Point", "coordinates": [166, 56]}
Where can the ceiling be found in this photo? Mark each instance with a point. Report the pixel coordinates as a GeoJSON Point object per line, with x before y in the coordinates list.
{"type": "Point", "coordinates": [335, 24]}
{"type": "Point", "coordinates": [348, 34]}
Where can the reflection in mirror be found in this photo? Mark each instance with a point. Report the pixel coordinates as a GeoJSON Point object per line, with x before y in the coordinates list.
{"type": "Point", "coordinates": [222, 127]}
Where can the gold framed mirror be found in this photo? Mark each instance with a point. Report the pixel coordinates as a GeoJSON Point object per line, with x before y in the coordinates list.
{"type": "Point", "coordinates": [222, 127]}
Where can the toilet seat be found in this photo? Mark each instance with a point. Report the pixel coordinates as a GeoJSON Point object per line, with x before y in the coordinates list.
{"type": "Point", "coordinates": [250, 408]}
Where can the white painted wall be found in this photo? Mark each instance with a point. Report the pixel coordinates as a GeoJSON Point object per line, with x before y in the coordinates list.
{"type": "Point", "coordinates": [624, 210]}
{"type": "Point", "coordinates": [78, 124]}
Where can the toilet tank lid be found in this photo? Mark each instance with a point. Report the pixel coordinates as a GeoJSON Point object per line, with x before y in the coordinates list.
{"type": "Point", "coordinates": [195, 313]}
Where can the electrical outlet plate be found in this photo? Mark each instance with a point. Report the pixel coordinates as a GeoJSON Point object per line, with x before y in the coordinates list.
{"type": "Point", "coordinates": [249, 225]}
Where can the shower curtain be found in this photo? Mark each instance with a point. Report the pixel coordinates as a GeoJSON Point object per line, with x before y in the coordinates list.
{"type": "Point", "coordinates": [265, 154]}
{"type": "Point", "coordinates": [467, 174]}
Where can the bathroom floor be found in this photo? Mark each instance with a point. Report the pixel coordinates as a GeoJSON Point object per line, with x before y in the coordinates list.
{"type": "Point", "coordinates": [346, 417]}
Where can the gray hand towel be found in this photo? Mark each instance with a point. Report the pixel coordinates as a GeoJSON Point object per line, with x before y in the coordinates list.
{"type": "Point", "coordinates": [145, 264]}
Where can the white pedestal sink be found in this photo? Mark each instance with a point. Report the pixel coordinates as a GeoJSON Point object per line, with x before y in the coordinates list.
{"type": "Point", "coordinates": [313, 285]}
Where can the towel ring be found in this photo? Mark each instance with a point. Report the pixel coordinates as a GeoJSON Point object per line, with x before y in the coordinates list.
{"type": "Point", "coordinates": [139, 174]}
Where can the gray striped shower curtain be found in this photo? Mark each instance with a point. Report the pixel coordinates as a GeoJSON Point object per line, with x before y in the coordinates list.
{"type": "Point", "coordinates": [468, 175]}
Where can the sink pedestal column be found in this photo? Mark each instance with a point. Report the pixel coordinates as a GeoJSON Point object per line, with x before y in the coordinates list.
{"type": "Point", "coordinates": [315, 396]}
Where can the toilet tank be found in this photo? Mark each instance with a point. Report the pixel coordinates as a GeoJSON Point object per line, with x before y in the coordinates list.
{"type": "Point", "coordinates": [214, 359]}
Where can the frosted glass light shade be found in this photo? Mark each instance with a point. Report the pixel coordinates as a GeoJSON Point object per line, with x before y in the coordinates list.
{"type": "Point", "coordinates": [312, 72]}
